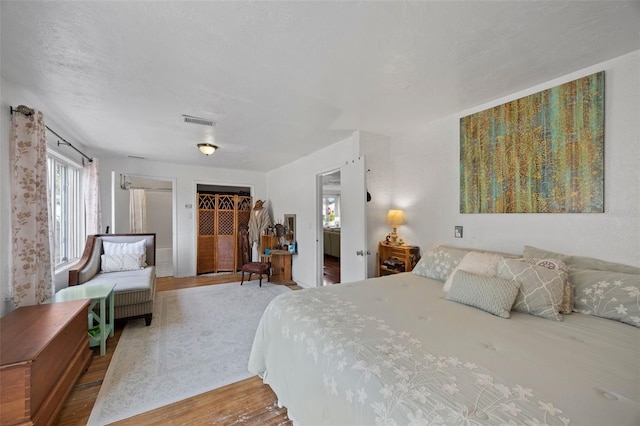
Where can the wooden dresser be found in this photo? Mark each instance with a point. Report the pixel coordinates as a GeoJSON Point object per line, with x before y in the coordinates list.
{"type": "Point", "coordinates": [43, 351]}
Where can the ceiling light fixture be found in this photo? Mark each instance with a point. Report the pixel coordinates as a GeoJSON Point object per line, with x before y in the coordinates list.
{"type": "Point", "coordinates": [207, 148]}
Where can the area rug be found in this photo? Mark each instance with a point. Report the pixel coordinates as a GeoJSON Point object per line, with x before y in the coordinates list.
{"type": "Point", "coordinates": [199, 340]}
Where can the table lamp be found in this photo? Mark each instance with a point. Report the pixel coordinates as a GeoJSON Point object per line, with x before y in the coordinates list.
{"type": "Point", "coordinates": [394, 218]}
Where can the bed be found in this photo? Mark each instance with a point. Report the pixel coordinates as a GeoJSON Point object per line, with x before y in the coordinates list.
{"type": "Point", "coordinates": [394, 351]}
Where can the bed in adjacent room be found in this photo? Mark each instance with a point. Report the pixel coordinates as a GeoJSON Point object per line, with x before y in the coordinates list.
{"type": "Point", "coordinates": [397, 350]}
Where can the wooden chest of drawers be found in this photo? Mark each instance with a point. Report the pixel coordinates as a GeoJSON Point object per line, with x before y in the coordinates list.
{"type": "Point", "coordinates": [43, 351]}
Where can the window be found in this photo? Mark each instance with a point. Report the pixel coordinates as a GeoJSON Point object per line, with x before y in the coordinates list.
{"type": "Point", "coordinates": [66, 208]}
{"type": "Point", "coordinates": [331, 210]}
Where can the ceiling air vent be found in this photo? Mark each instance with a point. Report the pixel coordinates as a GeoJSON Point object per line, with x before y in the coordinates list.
{"type": "Point", "coordinates": [197, 120]}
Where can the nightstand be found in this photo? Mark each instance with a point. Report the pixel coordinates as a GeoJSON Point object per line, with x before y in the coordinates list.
{"type": "Point", "coordinates": [395, 259]}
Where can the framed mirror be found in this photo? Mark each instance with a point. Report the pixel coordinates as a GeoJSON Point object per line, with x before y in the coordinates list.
{"type": "Point", "coordinates": [290, 227]}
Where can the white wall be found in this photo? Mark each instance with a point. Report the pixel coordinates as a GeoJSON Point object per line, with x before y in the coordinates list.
{"type": "Point", "coordinates": [186, 177]}
{"type": "Point", "coordinates": [377, 152]}
{"type": "Point", "coordinates": [425, 181]}
{"type": "Point", "coordinates": [292, 190]}
{"type": "Point", "coordinates": [160, 217]}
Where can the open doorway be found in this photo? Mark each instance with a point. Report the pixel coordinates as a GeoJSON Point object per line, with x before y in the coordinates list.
{"type": "Point", "coordinates": [331, 228]}
{"type": "Point", "coordinates": [151, 209]}
{"type": "Point", "coordinates": [352, 220]}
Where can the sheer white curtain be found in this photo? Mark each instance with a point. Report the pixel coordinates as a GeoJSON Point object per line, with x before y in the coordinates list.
{"type": "Point", "coordinates": [137, 211]}
{"type": "Point", "coordinates": [32, 269]}
{"type": "Point", "coordinates": [91, 187]}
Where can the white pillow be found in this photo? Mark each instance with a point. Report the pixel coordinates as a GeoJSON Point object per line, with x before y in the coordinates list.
{"type": "Point", "coordinates": [475, 262]}
{"type": "Point", "coordinates": [111, 249]}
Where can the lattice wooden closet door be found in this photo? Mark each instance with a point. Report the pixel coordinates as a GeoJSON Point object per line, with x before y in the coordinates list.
{"type": "Point", "coordinates": [219, 217]}
{"type": "Point", "coordinates": [206, 233]}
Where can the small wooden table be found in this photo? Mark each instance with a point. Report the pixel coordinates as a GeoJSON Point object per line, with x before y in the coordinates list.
{"type": "Point", "coordinates": [280, 265]}
{"type": "Point", "coordinates": [97, 294]}
{"type": "Point", "coordinates": [393, 259]}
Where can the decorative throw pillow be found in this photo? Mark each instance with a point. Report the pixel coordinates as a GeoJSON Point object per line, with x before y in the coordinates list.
{"type": "Point", "coordinates": [536, 253]}
{"type": "Point", "coordinates": [476, 263]}
{"type": "Point", "coordinates": [438, 262]}
{"type": "Point", "coordinates": [581, 262]}
{"type": "Point", "coordinates": [491, 294]}
{"type": "Point", "coordinates": [137, 247]}
{"type": "Point", "coordinates": [567, 287]}
{"type": "Point", "coordinates": [606, 294]}
{"type": "Point", "coordinates": [541, 288]}
{"type": "Point", "coordinates": [122, 262]}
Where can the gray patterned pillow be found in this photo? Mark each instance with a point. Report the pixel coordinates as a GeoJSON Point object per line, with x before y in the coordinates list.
{"type": "Point", "coordinates": [477, 263]}
{"type": "Point", "coordinates": [122, 262]}
{"type": "Point", "coordinates": [612, 295]}
{"type": "Point", "coordinates": [567, 287]}
{"type": "Point", "coordinates": [541, 288]}
{"type": "Point", "coordinates": [491, 294]}
{"type": "Point", "coordinates": [438, 262]}
{"type": "Point", "coordinates": [581, 262]}
{"type": "Point", "coordinates": [533, 252]}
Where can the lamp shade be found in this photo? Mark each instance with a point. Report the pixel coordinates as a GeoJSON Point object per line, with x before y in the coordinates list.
{"type": "Point", "coordinates": [395, 217]}
{"type": "Point", "coordinates": [207, 148]}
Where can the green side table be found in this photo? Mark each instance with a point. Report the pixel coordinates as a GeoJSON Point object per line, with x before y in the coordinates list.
{"type": "Point", "coordinates": [98, 294]}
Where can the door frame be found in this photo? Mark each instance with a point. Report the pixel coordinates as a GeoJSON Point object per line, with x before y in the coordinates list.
{"type": "Point", "coordinates": [115, 186]}
{"type": "Point", "coordinates": [194, 213]}
{"type": "Point", "coordinates": [320, 225]}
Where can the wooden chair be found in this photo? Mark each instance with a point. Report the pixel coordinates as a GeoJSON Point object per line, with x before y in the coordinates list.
{"type": "Point", "coordinates": [259, 268]}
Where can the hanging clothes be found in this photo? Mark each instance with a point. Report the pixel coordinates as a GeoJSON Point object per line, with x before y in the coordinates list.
{"type": "Point", "coordinates": [258, 222]}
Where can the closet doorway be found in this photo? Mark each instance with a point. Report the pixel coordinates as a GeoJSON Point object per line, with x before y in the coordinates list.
{"type": "Point", "coordinates": [220, 212]}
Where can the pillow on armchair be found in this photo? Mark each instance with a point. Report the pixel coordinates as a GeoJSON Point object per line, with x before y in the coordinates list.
{"type": "Point", "coordinates": [122, 262]}
{"type": "Point", "coordinates": [111, 248]}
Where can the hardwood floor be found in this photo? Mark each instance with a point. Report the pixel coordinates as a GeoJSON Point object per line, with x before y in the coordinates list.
{"type": "Point", "coordinates": [248, 401]}
{"type": "Point", "coordinates": [331, 271]}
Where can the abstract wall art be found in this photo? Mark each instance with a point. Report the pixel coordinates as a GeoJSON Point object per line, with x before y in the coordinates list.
{"type": "Point", "coordinates": [543, 153]}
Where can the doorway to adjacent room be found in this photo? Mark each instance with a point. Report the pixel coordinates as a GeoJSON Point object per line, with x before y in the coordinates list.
{"type": "Point", "coordinates": [331, 228]}
{"type": "Point", "coordinates": [151, 209]}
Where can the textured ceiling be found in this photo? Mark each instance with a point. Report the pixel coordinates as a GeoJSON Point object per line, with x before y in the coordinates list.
{"type": "Point", "coordinates": [284, 79]}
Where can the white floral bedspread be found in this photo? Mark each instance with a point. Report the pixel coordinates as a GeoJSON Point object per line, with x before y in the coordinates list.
{"type": "Point", "coordinates": [333, 360]}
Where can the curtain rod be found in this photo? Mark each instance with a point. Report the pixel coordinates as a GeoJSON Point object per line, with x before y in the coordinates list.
{"type": "Point", "coordinates": [26, 111]}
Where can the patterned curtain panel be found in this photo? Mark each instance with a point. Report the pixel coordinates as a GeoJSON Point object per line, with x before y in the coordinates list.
{"type": "Point", "coordinates": [31, 252]}
{"type": "Point", "coordinates": [93, 217]}
{"type": "Point", "coordinates": [137, 211]}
